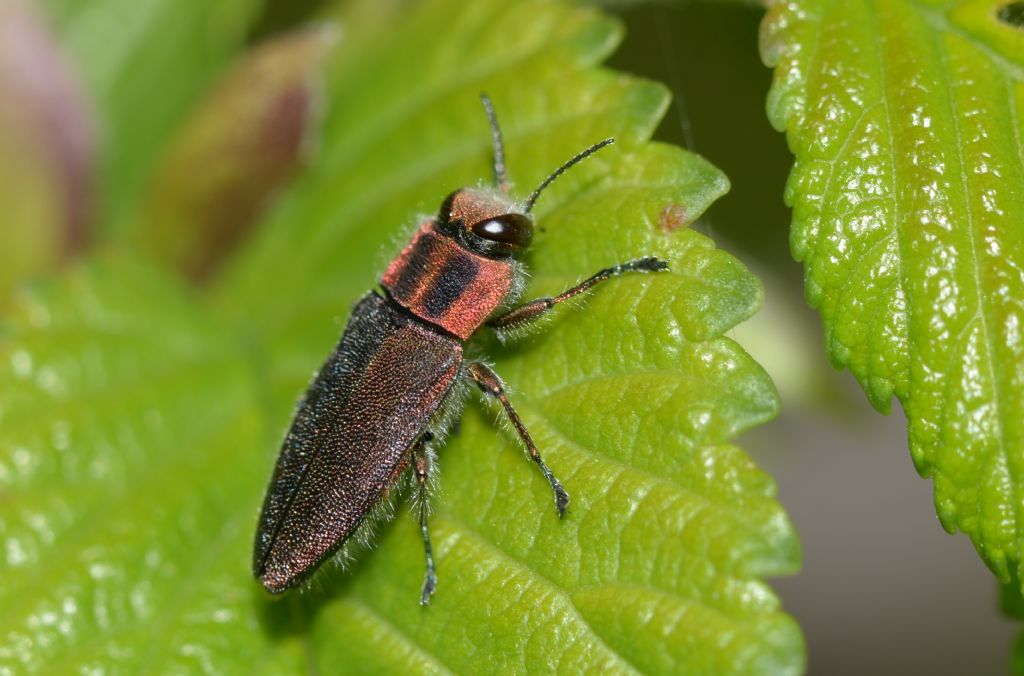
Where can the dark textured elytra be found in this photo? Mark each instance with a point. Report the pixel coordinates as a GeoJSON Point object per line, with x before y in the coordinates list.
{"type": "Point", "coordinates": [384, 392]}
{"type": "Point", "coordinates": [369, 403]}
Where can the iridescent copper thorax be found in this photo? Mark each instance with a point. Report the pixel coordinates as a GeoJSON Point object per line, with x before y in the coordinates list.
{"type": "Point", "coordinates": [446, 284]}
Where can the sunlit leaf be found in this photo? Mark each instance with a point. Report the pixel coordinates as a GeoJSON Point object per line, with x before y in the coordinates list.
{"type": "Point", "coordinates": [140, 423]}
{"type": "Point", "coordinates": [908, 197]}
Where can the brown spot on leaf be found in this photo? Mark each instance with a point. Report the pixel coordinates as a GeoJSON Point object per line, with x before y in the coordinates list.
{"type": "Point", "coordinates": [1012, 14]}
{"type": "Point", "coordinates": [673, 217]}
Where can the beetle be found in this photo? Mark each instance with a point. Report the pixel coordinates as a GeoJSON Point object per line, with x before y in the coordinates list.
{"type": "Point", "coordinates": [394, 384]}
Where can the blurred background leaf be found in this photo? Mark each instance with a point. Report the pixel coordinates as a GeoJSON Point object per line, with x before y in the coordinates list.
{"type": "Point", "coordinates": [143, 65]}
{"type": "Point", "coordinates": [141, 417]}
{"type": "Point", "coordinates": [234, 151]}
{"type": "Point", "coordinates": [46, 150]}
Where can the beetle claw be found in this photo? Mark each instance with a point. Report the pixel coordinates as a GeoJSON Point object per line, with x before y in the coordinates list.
{"type": "Point", "coordinates": [429, 586]}
{"type": "Point", "coordinates": [561, 500]}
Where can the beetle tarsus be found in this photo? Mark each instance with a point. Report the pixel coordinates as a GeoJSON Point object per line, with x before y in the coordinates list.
{"type": "Point", "coordinates": [561, 495]}
{"type": "Point", "coordinates": [422, 470]}
{"type": "Point", "coordinates": [645, 264]}
{"type": "Point", "coordinates": [429, 586]}
{"type": "Point", "coordinates": [489, 382]}
{"type": "Point", "coordinates": [561, 498]}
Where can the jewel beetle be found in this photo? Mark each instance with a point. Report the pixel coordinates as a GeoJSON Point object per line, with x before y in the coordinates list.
{"type": "Point", "coordinates": [395, 382]}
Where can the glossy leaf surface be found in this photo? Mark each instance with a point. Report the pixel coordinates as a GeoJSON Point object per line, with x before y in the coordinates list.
{"type": "Point", "coordinates": [140, 421]}
{"type": "Point", "coordinates": [908, 195]}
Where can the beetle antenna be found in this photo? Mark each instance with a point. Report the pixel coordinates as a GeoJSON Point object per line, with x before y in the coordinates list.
{"type": "Point", "coordinates": [532, 199]}
{"type": "Point", "coordinates": [500, 173]}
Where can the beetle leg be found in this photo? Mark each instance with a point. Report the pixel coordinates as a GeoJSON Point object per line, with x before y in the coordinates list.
{"type": "Point", "coordinates": [534, 309]}
{"type": "Point", "coordinates": [488, 381]}
{"type": "Point", "coordinates": [422, 469]}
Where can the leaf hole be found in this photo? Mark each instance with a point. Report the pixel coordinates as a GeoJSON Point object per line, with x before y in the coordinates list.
{"type": "Point", "coordinates": [1012, 14]}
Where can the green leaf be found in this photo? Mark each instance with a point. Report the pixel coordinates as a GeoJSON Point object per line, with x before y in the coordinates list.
{"type": "Point", "coordinates": [144, 64]}
{"type": "Point", "coordinates": [126, 502]}
{"type": "Point", "coordinates": [139, 423]}
{"type": "Point", "coordinates": [908, 195]}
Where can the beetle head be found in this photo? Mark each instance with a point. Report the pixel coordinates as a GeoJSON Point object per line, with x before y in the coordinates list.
{"type": "Point", "coordinates": [485, 221]}
{"type": "Point", "coordinates": [489, 222]}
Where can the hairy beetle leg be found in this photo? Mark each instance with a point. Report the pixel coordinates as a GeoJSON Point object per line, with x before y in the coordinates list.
{"type": "Point", "coordinates": [489, 382]}
{"type": "Point", "coordinates": [535, 309]}
{"type": "Point", "coordinates": [422, 469]}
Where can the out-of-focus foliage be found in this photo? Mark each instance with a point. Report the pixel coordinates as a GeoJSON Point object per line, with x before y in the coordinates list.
{"type": "Point", "coordinates": [139, 417]}
{"type": "Point", "coordinates": [908, 199]}
{"type": "Point", "coordinates": [45, 150]}
{"type": "Point", "coordinates": [144, 64]}
{"type": "Point", "coordinates": [232, 153]}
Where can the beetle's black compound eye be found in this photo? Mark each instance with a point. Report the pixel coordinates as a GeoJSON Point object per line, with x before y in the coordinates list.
{"type": "Point", "coordinates": [513, 229]}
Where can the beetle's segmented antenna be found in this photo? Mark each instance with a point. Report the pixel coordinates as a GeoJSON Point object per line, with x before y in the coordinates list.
{"type": "Point", "coordinates": [500, 173]}
{"type": "Point", "coordinates": [532, 199]}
